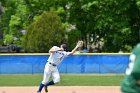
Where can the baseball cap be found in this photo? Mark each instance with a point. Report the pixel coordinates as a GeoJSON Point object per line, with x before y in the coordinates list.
{"type": "Point", "coordinates": [64, 46]}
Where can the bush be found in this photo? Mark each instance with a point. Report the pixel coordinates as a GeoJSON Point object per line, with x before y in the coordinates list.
{"type": "Point", "coordinates": [45, 32]}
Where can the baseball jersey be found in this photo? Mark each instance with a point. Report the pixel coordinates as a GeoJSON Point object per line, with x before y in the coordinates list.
{"type": "Point", "coordinates": [129, 84]}
{"type": "Point", "coordinates": [57, 57]}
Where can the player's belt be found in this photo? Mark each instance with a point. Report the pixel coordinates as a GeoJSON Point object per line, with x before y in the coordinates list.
{"type": "Point", "coordinates": [52, 64]}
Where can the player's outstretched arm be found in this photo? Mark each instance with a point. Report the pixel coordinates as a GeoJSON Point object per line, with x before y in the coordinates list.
{"type": "Point", "coordinates": [73, 51]}
{"type": "Point", "coordinates": [79, 44]}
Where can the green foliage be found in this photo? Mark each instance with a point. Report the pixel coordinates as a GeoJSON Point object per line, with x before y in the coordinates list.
{"type": "Point", "coordinates": [113, 21]}
{"type": "Point", "coordinates": [128, 48]}
{"type": "Point", "coordinates": [117, 22]}
{"type": "Point", "coordinates": [73, 37]}
{"type": "Point", "coordinates": [1, 42]}
{"type": "Point", "coordinates": [8, 39]}
{"type": "Point", "coordinates": [14, 21]}
{"type": "Point", "coordinates": [45, 32]}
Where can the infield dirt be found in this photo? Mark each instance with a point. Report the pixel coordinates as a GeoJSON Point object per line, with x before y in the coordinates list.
{"type": "Point", "coordinates": [63, 89]}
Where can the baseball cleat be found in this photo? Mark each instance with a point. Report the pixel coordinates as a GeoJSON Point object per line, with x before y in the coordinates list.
{"type": "Point", "coordinates": [38, 92]}
{"type": "Point", "coordinates": [46, 89]}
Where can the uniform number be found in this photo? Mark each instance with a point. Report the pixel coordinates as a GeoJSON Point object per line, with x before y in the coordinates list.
{"type": "Point", "coordinates": [131, 64]}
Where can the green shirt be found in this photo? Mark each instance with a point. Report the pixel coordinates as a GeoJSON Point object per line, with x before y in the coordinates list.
{"type": "Point", "coordinates": [129, 84]}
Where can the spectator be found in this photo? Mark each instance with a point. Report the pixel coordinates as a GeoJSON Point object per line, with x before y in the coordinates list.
{"type": "Point", "coordinates": [12, 47]}
{"type": "Point", "coordinates": [120, 51]}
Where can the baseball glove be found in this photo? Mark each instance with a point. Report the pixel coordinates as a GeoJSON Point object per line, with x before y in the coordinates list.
{"type": "Point", "coordinates": [80, 43]}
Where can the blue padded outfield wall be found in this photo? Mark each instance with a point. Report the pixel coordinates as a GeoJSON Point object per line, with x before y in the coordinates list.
{"type": "Point", "coordinates": [81, 63]}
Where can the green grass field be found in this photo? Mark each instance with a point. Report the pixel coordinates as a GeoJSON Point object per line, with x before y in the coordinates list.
{"type": "Point", "coordinates": [66, 80]}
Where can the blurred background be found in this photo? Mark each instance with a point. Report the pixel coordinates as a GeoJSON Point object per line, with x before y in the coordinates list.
{"type": "Point", "coordinates": [36, 25]}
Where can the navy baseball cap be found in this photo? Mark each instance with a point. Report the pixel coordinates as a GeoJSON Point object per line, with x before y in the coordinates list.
{"type": "Point", "coordinates": [64, 46]}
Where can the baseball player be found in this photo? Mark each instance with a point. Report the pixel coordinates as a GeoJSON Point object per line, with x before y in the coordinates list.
{"type": "Point", "coordinates": [56, 56]}
{"type": "Point", "coordinates": [131, 82]}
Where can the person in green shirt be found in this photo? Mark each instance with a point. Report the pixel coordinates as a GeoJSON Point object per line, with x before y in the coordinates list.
{"type": "Point", "coordinates": [131, 82]}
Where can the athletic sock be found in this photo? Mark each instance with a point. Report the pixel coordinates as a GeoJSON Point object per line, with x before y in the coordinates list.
{"type": "Point", "coordinates": [50, 83]}
{"type": "Point", "coordinates": [40, 87]}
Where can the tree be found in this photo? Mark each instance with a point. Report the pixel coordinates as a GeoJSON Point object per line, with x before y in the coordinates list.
{"type": "Point", "coordinates": [44, 32]}
{"type": "Point", "coordinates": [113, 21]}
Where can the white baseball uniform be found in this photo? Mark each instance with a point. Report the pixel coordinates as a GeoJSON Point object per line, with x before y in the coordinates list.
{"type": "Point", "coordinates": [51, 66]}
